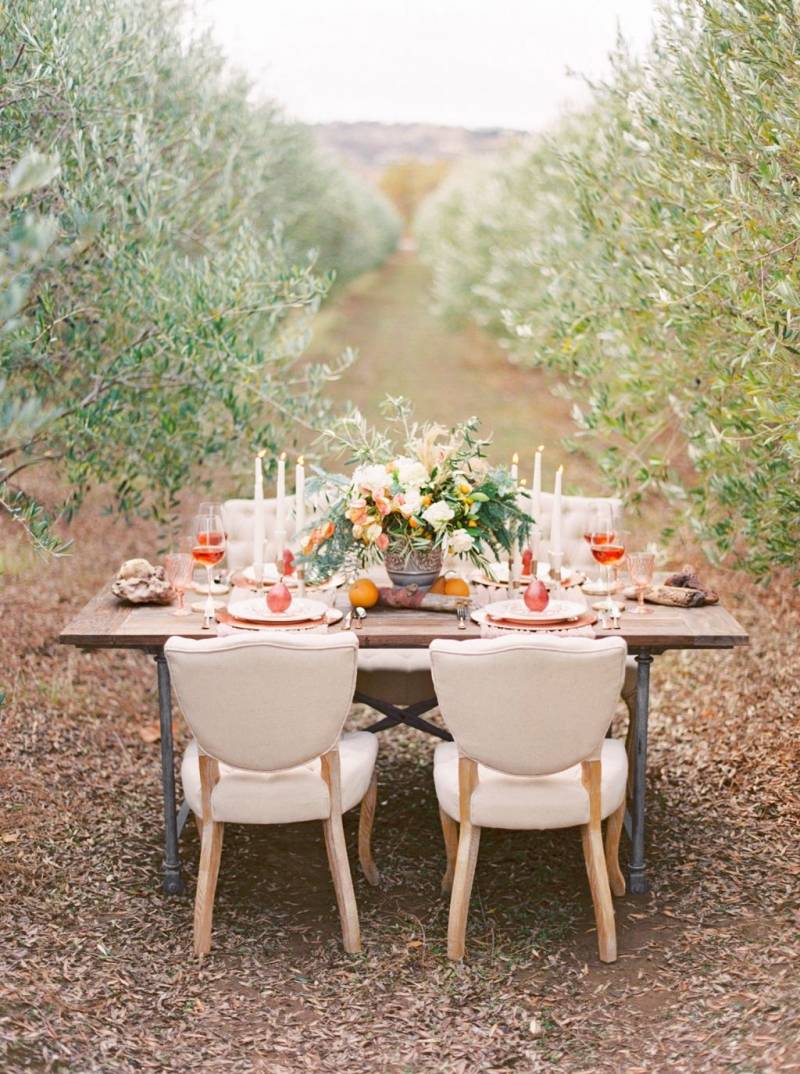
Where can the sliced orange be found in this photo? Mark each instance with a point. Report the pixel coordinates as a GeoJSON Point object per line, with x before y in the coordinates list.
{"type": "Point", "coordinates": [438, 585]}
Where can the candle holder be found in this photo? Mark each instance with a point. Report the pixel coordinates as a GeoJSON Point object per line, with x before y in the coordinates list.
{"type": "Point", "coordinates": [556, 563]}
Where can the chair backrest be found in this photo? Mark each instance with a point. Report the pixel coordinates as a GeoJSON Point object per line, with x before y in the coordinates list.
{"type": "Point", "coordinates": [574, 516]}
{"type": "Point", "coordinates": [529, 705]}
{"type": "Point", "coordinates": [238, 518]}
{"type": "Point", "coordinates": [265, 702]}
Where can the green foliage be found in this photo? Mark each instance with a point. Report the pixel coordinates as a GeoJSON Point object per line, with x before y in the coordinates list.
{"type": "Point", "coordinates": [160, 276]}
{"type": "Point", "coordinates": [648, 252]}
{"type": "Point", "coordinates": [415, 489]}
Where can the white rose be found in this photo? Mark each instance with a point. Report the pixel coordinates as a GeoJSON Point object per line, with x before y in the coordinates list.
{"type": "Point", "coordinates": [412, 502]}
{"type": "Point", "coordinates": [373, 532]}
{"type": "Point", "coordinates": [374, 477]}
{"type": "Point", "coordinates": [477, 467]}
{"type": "Point", "coordinates": [411, 473]}
{"type": "Point", "coordinates": [438, 514]}
{"type": "Point", "coordinates": [460, 542]}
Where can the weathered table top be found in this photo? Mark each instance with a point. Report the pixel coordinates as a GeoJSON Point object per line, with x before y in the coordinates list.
{"type": "Point", "coordinates": [105, 623]}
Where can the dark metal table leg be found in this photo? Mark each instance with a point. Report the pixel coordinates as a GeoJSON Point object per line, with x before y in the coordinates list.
{"type": "Point", "coordinates": [173, 882]}
{"type": "Point", "coordinates": [637, 875]}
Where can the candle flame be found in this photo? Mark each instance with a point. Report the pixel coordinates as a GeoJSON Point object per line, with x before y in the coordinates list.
{"type": "Point", "coordinates": [299, 460]}
{"type": "Point", "coordinates": [561, 469]}
{"type": "Point", "coordinates": [522, 481]}
{"type": "Point", "coordinates": [282, 456]}
{"type": "Point", "coordinates": [515, 458]}
{"type": "Point", "coordinates": [540, 447]}
{"type": "Point", "coordinates": [261, 453]}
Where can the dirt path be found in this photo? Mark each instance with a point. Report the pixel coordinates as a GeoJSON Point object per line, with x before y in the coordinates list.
{"type": "Point", "coordinates": [405, 349]}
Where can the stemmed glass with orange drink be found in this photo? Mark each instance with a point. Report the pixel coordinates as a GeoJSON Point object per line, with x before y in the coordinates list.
{"type": "Point", "coordinates": [208, 550]}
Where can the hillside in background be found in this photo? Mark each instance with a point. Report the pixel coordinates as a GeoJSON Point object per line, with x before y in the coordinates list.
{"type": "Point", "coordinates": [371, 147]}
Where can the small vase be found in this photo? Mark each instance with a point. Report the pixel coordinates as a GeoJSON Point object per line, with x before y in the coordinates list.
{"type": "Point", "coordinates": [420, 568]}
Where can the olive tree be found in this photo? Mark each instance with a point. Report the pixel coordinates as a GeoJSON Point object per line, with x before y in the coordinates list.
{"type": "Point", "coordinates": [655, 267]}
{"type": "Point", "coordinates": [185, 241]}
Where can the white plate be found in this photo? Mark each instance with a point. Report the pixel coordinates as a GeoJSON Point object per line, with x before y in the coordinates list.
{"type": "Point", "coordinates": [517, 609]}
{"type": "Point", "coordinates": [255, 608]}
{"type": "Point", "coordinates": [270, 575]}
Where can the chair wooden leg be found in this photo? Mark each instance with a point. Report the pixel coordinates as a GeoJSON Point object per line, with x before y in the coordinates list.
{"type": "Point", "coordinates": [210, 854]}
{"type": "Point", "coordinates": [594, 856]}
{"type": "Point", "coordinates": [466, 858]}
{"type": "Point", "coordinates": [342, 883]}
{"type": "Point", "coordinates": [337, 855]}
{"type": "Point", "coordinates": [613, 832]}
{"type": "Point", "coordinates": [450, 833]}
{"type": "Point", "coordinates": [198, 822]}
{"type": "Point", "coordinates": [468, 842]}
{"type": "Point", "coordinates": [366, 819]}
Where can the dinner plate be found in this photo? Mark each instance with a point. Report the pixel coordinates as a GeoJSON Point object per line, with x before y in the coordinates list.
{"type": "Point", "coordinates": [255, 610]}
{"type": "Point", "coordinates": [518, 612]}
{"type": "Point", "coordinates": [333, 615]}
{"type": "Point", "coordinates": [270, 575]}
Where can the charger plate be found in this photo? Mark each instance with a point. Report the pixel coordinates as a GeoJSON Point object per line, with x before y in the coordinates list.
{"type": "Point", "coordinates": [587, 619]}
{"type": "Point", "coordinates": [516, 611]}
{"type": "Point", "coordinates": [255, 610]}
{"type": "Point", "coordinates": [333, 615]}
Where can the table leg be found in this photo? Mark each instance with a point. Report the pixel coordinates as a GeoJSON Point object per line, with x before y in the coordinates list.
{"type": "Point", "coordinates": [172, 882]}
{"type": "Point", "coordinates": [637, 874]}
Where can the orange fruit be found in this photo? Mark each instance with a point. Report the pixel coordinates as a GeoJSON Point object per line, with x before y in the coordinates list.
{"type": "Point", "coordinates": [438, 585]}
{"type": "Point", "coordinates": [363, 593]}
{"type": "Point", "coordinates": [456, 587]}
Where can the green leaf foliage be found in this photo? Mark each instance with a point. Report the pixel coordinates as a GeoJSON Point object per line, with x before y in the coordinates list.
{"type": "Point", "coordinates": [648, 252]}
{"type": "Point", "coordinates": [164, 246]}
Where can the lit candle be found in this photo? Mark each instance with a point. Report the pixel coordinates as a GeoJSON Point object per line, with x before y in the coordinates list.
{"type": "Point", "coordinates": [555, 522]}
{"type": "Point", "coordinates": [515, 467]}
{"type": "Point", "coordinates": [258, 518]}
{"type": "Point", "coordinates": [536, 491]}
{"type": "Point", "coordinates": [280, 509]}
{"type": "Point", "coordinates": [299, 495]}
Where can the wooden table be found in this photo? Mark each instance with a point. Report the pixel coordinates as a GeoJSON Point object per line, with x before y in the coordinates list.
{"type": "Point", "coordinates": [106, 624]}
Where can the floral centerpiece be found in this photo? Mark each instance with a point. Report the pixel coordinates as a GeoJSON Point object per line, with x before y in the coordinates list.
{"type": "Point", "coordinates": [412, 500]}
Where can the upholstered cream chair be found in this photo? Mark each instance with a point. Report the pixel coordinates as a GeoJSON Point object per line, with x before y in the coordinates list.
{"type": "Point", "coordinates": [267, 714]}
{"type": "Point", "coordinates": [238, 518]}
{"type": "Point", "coordinates": [529, 715]}
{"type": "Point", "coordinates": [387, 678]}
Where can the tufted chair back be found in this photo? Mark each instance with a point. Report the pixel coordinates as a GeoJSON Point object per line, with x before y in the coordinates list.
{"type": "Point", "coordinates": [527, 705]}
{"type": "Point", "coordinates": [265, 702]}
{"type": "Point", "coordinates": [574, 515]}
{"type": "Point", "coordinates": [238, 518]}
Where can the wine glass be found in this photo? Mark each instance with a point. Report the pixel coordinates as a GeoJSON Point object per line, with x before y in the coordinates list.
{"type": "Point", "coordinates": [208, 550]}
{"type": "Point", "coordinates": [179, 567]}
{"type": "Point", "coordinates": [598, 527]}
{"type": "Point", "coordinates": [608, 549]}
{"type": "Point", "coordinates": [640, 567]}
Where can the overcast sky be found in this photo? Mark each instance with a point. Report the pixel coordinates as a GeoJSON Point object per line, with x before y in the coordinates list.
{"type": "Point", "coordinates": [473, 63]}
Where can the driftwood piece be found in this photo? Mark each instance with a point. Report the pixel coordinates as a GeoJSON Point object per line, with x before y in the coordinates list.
{"type": "Point", "coordinates": [148, 589]}
{"type": "Point", "coordinates": [671, 595]}
{"type": "Point", "coordinates": [686, 578]}
{"type": "Point", "coordinates": [413, 597]}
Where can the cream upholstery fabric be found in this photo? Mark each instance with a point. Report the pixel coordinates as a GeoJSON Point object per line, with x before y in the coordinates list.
{"type": "Point", "coordinates": [399, 676]}
{"type": "Point", "coordinates": [558, 800]}
{"type": "Point", "coordinates": [265, 702]}
{"type": "Point", "coordinates": [528, 705]}
{"type": "Point", "coordinates": [238, 518]}
{"type": "Point", "coordinates": [296, 794]}
{"type": "Point", "coordinates": [574, 515]}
